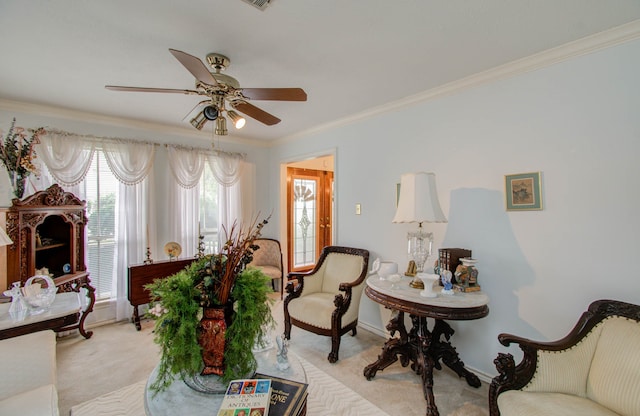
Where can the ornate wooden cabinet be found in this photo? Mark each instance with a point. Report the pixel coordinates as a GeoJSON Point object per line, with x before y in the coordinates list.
{"type": "Point", "coordinates": [48, 230]}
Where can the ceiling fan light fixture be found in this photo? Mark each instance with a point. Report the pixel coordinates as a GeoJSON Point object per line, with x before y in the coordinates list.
{"type": "Point", "coordinates": [221, 126]}
{"type": "Point", "coordinates": [237, 119]}
{"type": "Point", "coordinates": [199, 120]}
{"type": "Point", "coordinates": [219, 88]}
{"type": "Point", "coordinates": [211, 112]}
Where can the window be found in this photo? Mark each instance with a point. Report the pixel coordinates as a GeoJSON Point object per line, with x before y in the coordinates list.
{"type": "Point", "coordinates": [99, 189]}
{"type": "Point", "coordinates": [304, 218]}
{"type": "Point", "coordinates": [208, 211]}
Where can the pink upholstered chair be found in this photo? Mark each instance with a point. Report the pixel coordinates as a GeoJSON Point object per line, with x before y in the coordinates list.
{"type": "Point", "coordinates": [268, 258]}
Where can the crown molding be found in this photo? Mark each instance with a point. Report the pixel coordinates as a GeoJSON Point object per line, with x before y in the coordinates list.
{"type": "Point", "coordinates": [164, 129]}
{"type": "Point", "coordinates": [602, 40]}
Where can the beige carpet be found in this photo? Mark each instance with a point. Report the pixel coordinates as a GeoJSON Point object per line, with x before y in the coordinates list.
{"type": "Point", "coordinates": [118, 356]}
{"type": "Point", "coordinates": [128, 401]}
{"type": "Point", "coordinates": [327, 397]}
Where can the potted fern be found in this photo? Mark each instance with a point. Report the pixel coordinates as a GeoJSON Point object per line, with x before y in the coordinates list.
{"type": "Point", "coordinates": [210, 314]}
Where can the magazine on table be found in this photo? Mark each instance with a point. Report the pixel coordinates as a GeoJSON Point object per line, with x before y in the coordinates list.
{"type": "Point", "coordinates": [247, 397]}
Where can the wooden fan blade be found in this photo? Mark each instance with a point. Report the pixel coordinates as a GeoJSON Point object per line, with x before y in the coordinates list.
{"type": "Point", "coordinates": [254, 112]}
{"type": "Point", "coordinates": [140, 89]}
{"type": "Point", "coordinates": [194, 65]}
{"type": "Point", "coordinates": [279, 94]}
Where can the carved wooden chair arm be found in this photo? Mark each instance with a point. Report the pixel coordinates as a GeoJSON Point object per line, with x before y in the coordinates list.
{"type": "Point", "coordinates": [342, 301]}
{"type": "Point", "coordinates": [526, 343]}
{"type": "Point", "coordinates": [343, 287]}
{"type": "Point", "coordinates": [295, 283]}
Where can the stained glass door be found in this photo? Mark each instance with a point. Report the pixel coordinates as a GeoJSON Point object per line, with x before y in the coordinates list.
{"type": "Point", "coordinates": [310, 198]}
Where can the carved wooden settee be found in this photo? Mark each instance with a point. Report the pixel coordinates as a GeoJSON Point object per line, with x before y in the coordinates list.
{"type": "Point", "coordinates": [28, 382]}
{"type": "Point", "coordinates": [594, 370]}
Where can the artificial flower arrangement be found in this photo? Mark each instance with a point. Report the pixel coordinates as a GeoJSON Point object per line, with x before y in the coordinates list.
{"type": "Point", "coordinates": [17, 154]}
{"type": "Point", "coordinates": [210, 281]}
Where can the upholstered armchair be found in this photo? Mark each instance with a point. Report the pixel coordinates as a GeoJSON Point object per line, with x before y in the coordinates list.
{"type": "Point", "coordinates": [594, 370]}
{"type": "Point", "coordinates": [268, 258]}
{"type": "Point", "coordinates": [326, 300]}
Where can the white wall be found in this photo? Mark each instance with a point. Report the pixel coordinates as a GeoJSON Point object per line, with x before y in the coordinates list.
{"type": "Point", "coordinates": [577, 122]}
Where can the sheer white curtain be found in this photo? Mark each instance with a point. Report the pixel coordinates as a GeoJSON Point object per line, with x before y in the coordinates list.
{"type": "Point", "coordinates": [235, 195]}
{"type": "Point", "coordinates": [133, 234]}
{"type": "Point", "coordinates": [237, 202]}
{"type": "Point", "coordinates": [131, 164]}
{"type": "Point", "coordinates": [186, 167]}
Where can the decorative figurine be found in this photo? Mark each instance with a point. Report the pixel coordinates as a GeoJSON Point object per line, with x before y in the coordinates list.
{"type": "Point", "coordinates": [445, 278]}
{"type": "Point", "coordinates": [467, 275]}
{"type": "Point", "coordinates": [18, 309]}
{"type": "Point", "coordinates": [282, 361]}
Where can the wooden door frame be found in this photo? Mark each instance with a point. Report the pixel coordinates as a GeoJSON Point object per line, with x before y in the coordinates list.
{"type": "Point", "coordinates": [282, 231]}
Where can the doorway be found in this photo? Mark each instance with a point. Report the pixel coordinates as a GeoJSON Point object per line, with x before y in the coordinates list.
{"type": "Point", "coordinates": [309, 207]}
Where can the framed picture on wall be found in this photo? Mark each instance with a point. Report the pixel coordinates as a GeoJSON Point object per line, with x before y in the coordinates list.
{"type": "Point", "coordinates": [523, 191]}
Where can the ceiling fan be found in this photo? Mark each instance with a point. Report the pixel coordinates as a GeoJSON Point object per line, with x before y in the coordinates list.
{"type": "Point", "coordinates": [222, 90]}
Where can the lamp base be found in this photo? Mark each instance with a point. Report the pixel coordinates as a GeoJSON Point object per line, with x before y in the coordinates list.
{"type": "Point", "coordinates": [416, 283]}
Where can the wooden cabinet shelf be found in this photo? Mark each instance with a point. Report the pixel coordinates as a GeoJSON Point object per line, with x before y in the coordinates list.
{"type": "Point", "coordinates": [59, 219]}
{"type": "Point", "coordinates": [50, 246]}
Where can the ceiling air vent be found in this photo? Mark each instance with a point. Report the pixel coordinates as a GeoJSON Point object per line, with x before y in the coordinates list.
{"type": "Point", "coordinates": [260, 4]}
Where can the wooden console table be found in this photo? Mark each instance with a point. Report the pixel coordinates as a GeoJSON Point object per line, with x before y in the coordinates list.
{"type": "Point", "coordinates": [143, 274]}
{"type": "Point", "coordinates": [423, 348]}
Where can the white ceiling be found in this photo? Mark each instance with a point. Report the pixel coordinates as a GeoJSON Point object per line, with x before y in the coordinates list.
{"type": "Point", "coordinates": [348, 55]}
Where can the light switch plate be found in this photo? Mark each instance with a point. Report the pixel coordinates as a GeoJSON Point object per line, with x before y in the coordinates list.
{"type": "Point", "coordinates": [358, 209]}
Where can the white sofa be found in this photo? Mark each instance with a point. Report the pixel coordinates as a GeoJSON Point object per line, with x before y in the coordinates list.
{"type": "Point", "coordinates": [28, 382]}
{"type": "Point", "coordinates": [593, 371]}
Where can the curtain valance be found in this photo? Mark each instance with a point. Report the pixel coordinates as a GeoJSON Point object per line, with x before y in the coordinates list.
{"type": "Point", "coordinates": [68, 158]}
{"type": "Point", "coordinates": [187, 164]}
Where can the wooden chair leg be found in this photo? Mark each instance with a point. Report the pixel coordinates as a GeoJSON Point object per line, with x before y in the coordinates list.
{"type": "Point", "coordinates": [287, 326]}
{"type": "Point", "coordinates": [335, 347]}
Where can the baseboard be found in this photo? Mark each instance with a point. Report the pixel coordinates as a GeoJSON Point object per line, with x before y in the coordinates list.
{"type": "Point", "coordinates": [373, 329]}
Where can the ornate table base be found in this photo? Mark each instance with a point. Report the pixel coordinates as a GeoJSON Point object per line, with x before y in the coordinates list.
{"type": "Point", "coordinates": [74, 283]}
{"type": "Point", "coordinates": [424, 349]}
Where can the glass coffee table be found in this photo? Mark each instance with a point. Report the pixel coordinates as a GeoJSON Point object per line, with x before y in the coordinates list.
{"type": "Point", "coordinates": [180, 399]}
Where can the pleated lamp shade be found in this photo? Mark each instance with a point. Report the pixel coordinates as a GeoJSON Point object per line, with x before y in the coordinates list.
{"type": "Point", "coordinates": [418, 199]}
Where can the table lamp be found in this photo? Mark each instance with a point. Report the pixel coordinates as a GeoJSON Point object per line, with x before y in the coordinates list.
{"type": "Point", "coordinates": [4, 241]}
{"type": "Point", "coordinates": [419, 203]}
{"type": "Point", "coordinates": [4, 238]}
